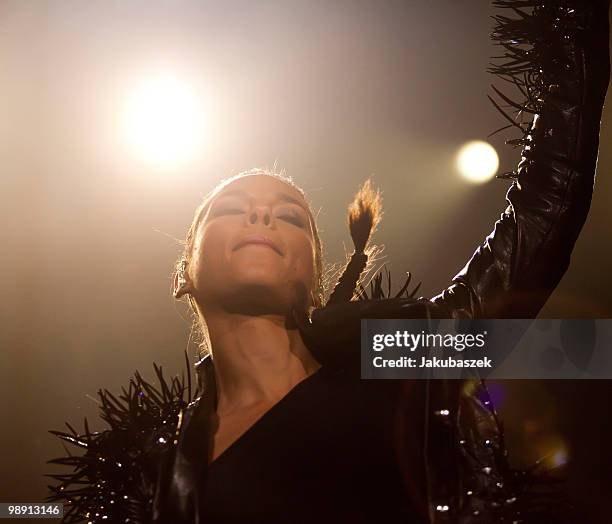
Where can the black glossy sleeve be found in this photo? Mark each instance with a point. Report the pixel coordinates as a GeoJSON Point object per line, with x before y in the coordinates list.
{"type": "Point", "coordinates": [519, 264]}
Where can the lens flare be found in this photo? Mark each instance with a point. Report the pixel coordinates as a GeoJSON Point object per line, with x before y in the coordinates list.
{"type": "Point", "coordinates": [164, 122]}
{"type": "Point", "coordinates": [477, 162]}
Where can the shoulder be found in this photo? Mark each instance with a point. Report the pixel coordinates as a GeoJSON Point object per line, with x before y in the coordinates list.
{"type": "Point", "coordinates": [116, 474]}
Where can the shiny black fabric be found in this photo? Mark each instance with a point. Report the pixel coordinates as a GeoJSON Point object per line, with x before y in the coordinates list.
{"type": "Point", "coordinates": [327, 450]}
{"type": "Point", "coordinates": [464, 475]}
{"type": "Point", "coordinates": [512, 273]}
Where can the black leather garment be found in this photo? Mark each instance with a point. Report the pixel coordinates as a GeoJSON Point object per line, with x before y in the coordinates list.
{"type": "Point", "coordinates": [467, 480]}
{"type": "Point", "coordinates": [514, 271]}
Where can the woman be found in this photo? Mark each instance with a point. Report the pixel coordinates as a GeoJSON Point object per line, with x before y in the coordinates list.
{"type": "Point", "coordinates": [283, 430]}
{"type": "Point", "coordinates": [280, 430]}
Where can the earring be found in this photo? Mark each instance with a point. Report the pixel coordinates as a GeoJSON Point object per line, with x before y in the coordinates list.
{"type": "Point", "coordinates": [181, 280]}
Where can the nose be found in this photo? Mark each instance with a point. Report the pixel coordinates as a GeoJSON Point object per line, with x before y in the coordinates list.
{"type": "Point", "coordinates": [260, 214]}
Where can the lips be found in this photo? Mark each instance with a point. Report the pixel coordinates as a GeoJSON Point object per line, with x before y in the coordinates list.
{"type": "Point", "coordinates": [258, 239]}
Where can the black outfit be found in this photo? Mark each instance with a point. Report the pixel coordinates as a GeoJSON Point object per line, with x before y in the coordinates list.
{"type": "Point", "coordinates": [455, 455]}
{"type": "Point", "coordinates": [329, 422]}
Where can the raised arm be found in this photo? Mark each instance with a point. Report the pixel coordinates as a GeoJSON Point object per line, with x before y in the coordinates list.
{"type": "Point", "coordinates": [565, 76]}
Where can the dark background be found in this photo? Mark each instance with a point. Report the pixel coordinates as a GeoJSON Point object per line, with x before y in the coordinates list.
{"type": "Point", "coordinates": [333, 92]}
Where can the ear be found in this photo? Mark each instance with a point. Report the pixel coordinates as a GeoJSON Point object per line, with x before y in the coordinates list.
{"type": "Point", "coordinates": [181, 283]}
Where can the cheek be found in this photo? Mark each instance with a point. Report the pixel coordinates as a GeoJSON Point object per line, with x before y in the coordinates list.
{"type": "Point", "coordinates": [210, 249]}
{"type": "Point", "coordinates": [302, 264]}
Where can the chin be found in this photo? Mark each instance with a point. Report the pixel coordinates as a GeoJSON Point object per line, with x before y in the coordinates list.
{"type": "Point", "coordinates": [255, 276]}
{"type": "Point", "coordinates": [261, 289]}
{"type": "Point", "coordinates": [255, 298]}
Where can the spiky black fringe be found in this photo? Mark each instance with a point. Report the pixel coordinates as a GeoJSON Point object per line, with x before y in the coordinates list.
{"type": "Point", "coordinates": [377, 291]}
{"type": "Point", "coordinates": [498, 492]}
{"type": "Point", "coordinates": [114, 480]}
{"type": "Point", "coordinates": [532, 37]}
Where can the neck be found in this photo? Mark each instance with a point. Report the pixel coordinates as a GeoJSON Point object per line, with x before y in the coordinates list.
{"type": "Point", "coordinates": [257, 359]}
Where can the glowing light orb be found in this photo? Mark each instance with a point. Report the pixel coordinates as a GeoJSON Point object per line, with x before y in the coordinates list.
{"type": "Point", "coordinates": [559, 458]}
{"type": "Point", "coordinates": [164, 122]}
{"type": "Point", "coordinates": [477, 162]}
{"type": "Point", "coordinates": [554, 451]}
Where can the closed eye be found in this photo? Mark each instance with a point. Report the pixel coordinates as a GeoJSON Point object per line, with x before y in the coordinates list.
{"type": "Point", "coordinates": [293, 219]}
{"type": "Point", "coordinates": [227, 211]}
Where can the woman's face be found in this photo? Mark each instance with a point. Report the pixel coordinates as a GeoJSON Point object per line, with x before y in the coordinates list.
{"type": "Point", "coordinates": [254, 249]}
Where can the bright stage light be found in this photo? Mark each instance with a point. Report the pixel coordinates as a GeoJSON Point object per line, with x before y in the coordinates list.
{"type": "Point", "coordinates": [164, 122]}
{"type": "Point", "coordinates": [477, 161]}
